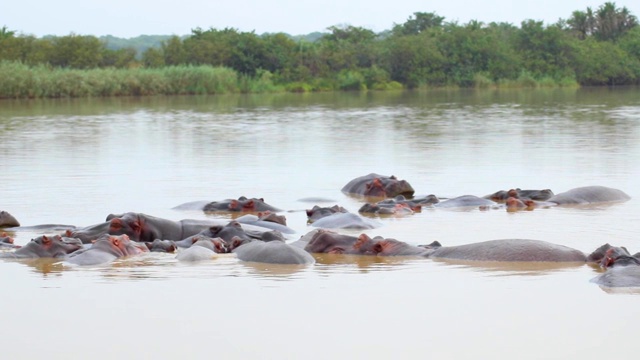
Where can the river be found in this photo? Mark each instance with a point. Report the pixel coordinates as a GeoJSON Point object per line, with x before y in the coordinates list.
{"type": "Point", "coordinates": [74, 161]}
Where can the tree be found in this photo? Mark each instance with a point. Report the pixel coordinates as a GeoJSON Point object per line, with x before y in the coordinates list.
{"type": "Point", "coordinates": [420, 22]}
{"type": "Point", "coordinates": [607, 23]}
{"type": "Point", "coordinates": [76, 51]}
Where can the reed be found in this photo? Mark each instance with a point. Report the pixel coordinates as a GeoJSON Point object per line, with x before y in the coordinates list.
{"type": "Point", "coordinates": [18, 80]}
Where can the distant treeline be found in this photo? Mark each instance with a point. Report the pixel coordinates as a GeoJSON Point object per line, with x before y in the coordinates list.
{"type": "Point", "coordinates": [592, 47]}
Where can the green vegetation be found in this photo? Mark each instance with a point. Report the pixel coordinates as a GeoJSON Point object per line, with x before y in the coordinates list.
{"type": "Point", "coordinates": [600, 47]}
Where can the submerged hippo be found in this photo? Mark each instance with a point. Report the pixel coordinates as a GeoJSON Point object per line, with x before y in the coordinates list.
{"type": "Point", "coordinates": [517, 250]}
{"type": "Point", "coordinates": [345, 221]}
{"type": "Point", "coordinates": [330, 242]}
{"type": "Point", "coordinates": [45, 246]}
{"type": "Point", "coordinates": [399, 205]}
{"type": "Point", "coordinates": [107, 249]}
{"type": "Point", "coordinates": [205, 248]}
{"type": "Point", "coordinates": [146, 228]}
{"type": "Point", "coordinates": [167, 246]}
{"type": "Point", "coordinates": [376, 185]}
{"type": "Point", "coordinates": [465, 201]}
{"type": "Point", "coordinates": [269, 221]}
{"type": "Point", "coordinates": [318, 212]}
{"type": "Point", "coordinates": [235, 235]}
{"type": "Point", "coordinates": [7, 220]}
{"type": "Point", "coordinates": [503, 195]}
{"type": "Point", "coordinates": [622, 270]}
{"type": "Point", "coordinates": [241, 204]}
{"type": "Point", "coordinates": [273, 252]}
{"type": "Point", "coordinates": [6, 242]}
{"type": "Point", "coordinates": [589, 195]}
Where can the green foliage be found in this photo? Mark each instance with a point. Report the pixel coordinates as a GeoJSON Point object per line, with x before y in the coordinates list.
{"type": "Point", "coordinates": [600, 47]}
{"type": "Point", "coordinates": [76, 51]}
{"type": "Point", "coordinates": [418, 23]}
{"type": "Point", "coordinates": [351, 80]}
{"type": "Point", "coordinates": [607, 23]}
{"type": "Point", "coordinates": [604, 63]}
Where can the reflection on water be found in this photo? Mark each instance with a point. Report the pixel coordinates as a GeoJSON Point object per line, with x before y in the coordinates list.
{"type": "Point", "coordinates": [74, 161]}
{"type": "Point", "coordinates": [512, 268]}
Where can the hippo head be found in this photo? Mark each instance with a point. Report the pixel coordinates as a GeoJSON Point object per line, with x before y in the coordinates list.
{"type": "Point", "coordinates": [4, 238]}
{"type": "Point", "coordinates": [375, 188]}
{"type": "Point", "coordinates": [272, 217]}
{"type": "Point", "coordinates": [119, 245]}
{"type": "Point", "coordinates": [395, 187]}
{"type": "Point", "coordinates": [54, 246]}
{"type": "Point", "coordinates": [614, 257]}
{"type": "Point", "coordinates": [329, 242]}
{"type": "Point", "coordinates": [393, 247]}
{"type": "Point", "coordinates": [126, 224]}
{"type": "Point", "coordinates": [607, 251]}
{"type": "Point", "coordinates": [318, 212]}
{"type": "Point", "coordinates": [168, 246]}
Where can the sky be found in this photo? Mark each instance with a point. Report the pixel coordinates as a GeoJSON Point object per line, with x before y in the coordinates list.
{"type": "Point", "coordinates": [132, 18]}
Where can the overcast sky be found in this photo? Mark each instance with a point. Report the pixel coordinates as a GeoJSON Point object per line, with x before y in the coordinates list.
{"type": "Point", "coordinates": [130, 18]}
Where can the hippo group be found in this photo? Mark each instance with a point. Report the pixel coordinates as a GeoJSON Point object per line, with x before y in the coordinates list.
{"type": "Point", "coordinates": [261, 233]}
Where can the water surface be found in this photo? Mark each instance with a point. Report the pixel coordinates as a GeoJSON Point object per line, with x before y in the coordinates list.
{"type": "Point", "coordinates": [76, 161]}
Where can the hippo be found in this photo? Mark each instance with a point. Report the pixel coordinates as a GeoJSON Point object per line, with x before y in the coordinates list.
{"type": "Point", "coordinates": [392, 247]}
{"type": "Point", "coordinates": [398, 209]}
{"type": "Point", "coordinates": [167, 246]}
{"type": "Point", "coordinates": [6, 242]}
{"type": "Point", "coordinates": [146, 228]}
{"type": "Point", "coordinates": [273, 252]}
{"type": "Point", "coordinates": [330, 242]}
{"type": "Point", "coordinates": [105, 249]}
{"type": "Point", "coordinates": [515, 204]}
{"type": "Point", "coordinates": [267, 221]}
{"type": "Point", "coordinates": [7, 220]}
{"type": "Point", "coordinates": [204, 248]}
{"type": "Point", "coordinates": [234, 229]}
{"type": "Point", "coordinates": [589, 195]}
{"type": "Point", "coordinates": [241, 204]}
{"type": "Point", "coordinates": [503, 195]}
{"type": "Point", "coordinates": [272, 217]}
{"type": "Point", "coordinates": [399, 205]}
{"type": "Point", "coordinates": [345, 221]}
{"type": "Point", "coordinates": [45, 246]}
{"type": "Point", "coordinates": [380, 186]}
{"type": "Point", "coordinates": [465, 201]}
{"type": "Point", "coordinates": [515, 250]}
{"type": "Point", "coordinates": [318, 212]}
{"type": "Point", "coordinates": [622, 270]}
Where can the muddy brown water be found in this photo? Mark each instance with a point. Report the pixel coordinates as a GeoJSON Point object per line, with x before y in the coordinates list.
{"type": "Point", "coordinates": [75, 161]}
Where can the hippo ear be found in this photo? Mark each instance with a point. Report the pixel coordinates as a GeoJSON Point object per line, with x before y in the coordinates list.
{"type": "Point", "coordinates": [45, 239]}
{"type": "Point", "coordinates": [115, 241]}
{"type": "Point", "coordinates": [362, 239]}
